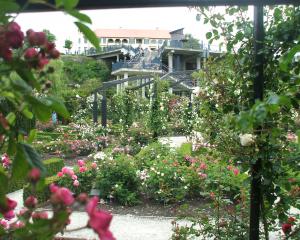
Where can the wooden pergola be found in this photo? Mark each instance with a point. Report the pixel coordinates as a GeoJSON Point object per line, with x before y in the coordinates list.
{"type": "Point", "coordinates": [258, 64]}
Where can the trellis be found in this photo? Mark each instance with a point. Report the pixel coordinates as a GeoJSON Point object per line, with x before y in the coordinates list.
{"type": "Point", "coordinates": [258, 65]}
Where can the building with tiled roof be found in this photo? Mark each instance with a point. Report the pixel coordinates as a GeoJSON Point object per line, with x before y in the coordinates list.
{"type": "Point", "coordinates": [144, 38]}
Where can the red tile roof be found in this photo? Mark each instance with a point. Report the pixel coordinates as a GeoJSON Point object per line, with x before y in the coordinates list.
{"type": "Point", "coordinates": [133, 33]}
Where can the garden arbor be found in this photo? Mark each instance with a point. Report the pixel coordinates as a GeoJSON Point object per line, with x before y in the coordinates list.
{"type": "Point", "coordinates": [258, 65]}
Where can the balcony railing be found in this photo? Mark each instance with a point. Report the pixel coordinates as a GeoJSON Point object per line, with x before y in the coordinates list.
{"type": "Point", "coordinates": [136, 65]}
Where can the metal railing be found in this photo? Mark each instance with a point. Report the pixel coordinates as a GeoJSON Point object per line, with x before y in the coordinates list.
{"type": "Point", "coordinates": [136, 65]}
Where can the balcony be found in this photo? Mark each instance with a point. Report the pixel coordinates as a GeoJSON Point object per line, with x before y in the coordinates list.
{"type": "Point", "coordinates": [154, 66]}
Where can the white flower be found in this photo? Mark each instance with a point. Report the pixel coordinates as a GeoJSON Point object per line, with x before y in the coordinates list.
{"type": "Point", "coordinates": [247, 139]}
{"type": "Point", "coordinates": [100, 155]}
{"type": "Point", "coordinates": [185, 187]}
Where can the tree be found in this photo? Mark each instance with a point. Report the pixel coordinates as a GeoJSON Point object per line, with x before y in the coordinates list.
{"type": "Point", "coordinates": [68, 45]}
{"type": "Point", "coordinates": [191, 42]}
{"type": "Point", "coordinates": [50, 36]}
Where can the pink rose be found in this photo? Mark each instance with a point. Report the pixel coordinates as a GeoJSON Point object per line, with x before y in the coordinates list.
{"type": "Point", "coordinates": [40, 215]}
{"type": "Point", "coordinates": [82, 169]}
{"type": "Point", "coordinates": [99, 220]}
{"type": "Point", "coordinates": [60, 174]}
{"type": "Point", "coordinates": [80, 163]}
{"type": "Point", "coordinates": [236, 171]}
{"type": "Point", "coordinates": [53, 188]}
{"type": "Point", "coordinates": [65, 170]}
{"type": "Point", "coordinates": [203, 166]}
{"type": "Point", "coordinates": [63, 195]}
{"type": "Point", "coordinates": [94, 165]}
{"type": "Point", "coordinates": [9, 215]}
{"type": "Point", "coordinates": [4, 223]}
{"type": "Point", "coordinates": [76, 183]}
{"type": "Point", "coordinates": [31, 202]}
{"type": "Point", "coordinates": [74, 177]}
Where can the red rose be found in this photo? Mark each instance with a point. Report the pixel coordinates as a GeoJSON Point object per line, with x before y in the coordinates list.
{"type": "Point", "coordinates": [30, 53]}
{"type": "Point", "coordinates": [286, 228]}
{"type": "Point", "coordinates": [36, 38]}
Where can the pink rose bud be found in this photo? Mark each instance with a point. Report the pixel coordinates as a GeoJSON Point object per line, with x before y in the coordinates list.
{"type": "Point", "coordinates": [94, 165]}
{"type": "Point", "coordinates": [53, 188]}
{"type": "Point", "coordinates": [34, 175]}
{"type": "Point", "coordinates": [39, 215]}
{"type": "Point", "coordinates": [74, 177]}
{"type": "Point", "coordinates": [54, 53]}
{"type": "Point", "coordinates": [31, 202]}
{"type": "Point", "coordinates": [60, 174]}
{"type": "Point", "coordinates": [82, 169]}
{"type": "Point", "coordinates": [4, 223]}
{"type": "Point", "coordinates": [236, 171]}
{"type": "Point", "coordinates": [76, 183]}
{"type": "Point", "coordinates": [9, 215]}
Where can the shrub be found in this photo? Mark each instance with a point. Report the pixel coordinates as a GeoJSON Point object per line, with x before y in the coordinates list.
{"type": "Point", "coordinates": [86, 180]}
{"type": "Point", "coordinates": [150, 153]}
{"type": "Point", "coordinates": [117, 179]}
{"type": "Point", "coordinates": [170, 180]}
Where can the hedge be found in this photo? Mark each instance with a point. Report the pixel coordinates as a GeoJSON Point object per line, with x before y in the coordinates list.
{"type": "Point", "coordinates": [52, 165]}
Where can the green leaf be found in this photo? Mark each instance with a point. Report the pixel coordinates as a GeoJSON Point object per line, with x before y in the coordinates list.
{"type": "Point", "coordinates": [32, 135]}
{"type": "Point", "coordinates": [27, 76]}
{"type": "Point", "coordinates": [3, 186]}
{"type": "Point", "coordinates": [26, 157]}
{"type": "Point", "coordinates": [20, 165]}
{"type": "Point", "coordinates": [58, 107]}
{"type": "Point", "coordinates": [208, 35]}
{"type": "Point", "coordinates": [69, 4]}
{"type": "Point", "coordinates": [11, 118]}
{"type": "Point", "coordinates": [287, 58]}
{"type": "Point", "coordinates": [80, 16]}
{"type": "Point", "coordinates": [40, 108]}
{"type": "Point", "coordinates": [27, 113]}
{"type": "Point", "coordinates": [21, 85]}
{"type": "Point", "coordinates": [88, 33]}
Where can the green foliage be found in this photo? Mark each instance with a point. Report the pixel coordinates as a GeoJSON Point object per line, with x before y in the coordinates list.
{"type": "Point", "coordinates": [50, 36]}
{"type": "Point", "coordinates": [150, 153]}
{"type": "Point", "coordinates": [43, 194]}
{"type": "Point", "coordinates": [117, 180]}
{"type": "Point", "coordinates": [53, 166]}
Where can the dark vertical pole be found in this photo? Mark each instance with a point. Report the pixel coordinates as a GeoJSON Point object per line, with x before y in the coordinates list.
{"type": "Point", "coordinates": [258, 87]}
{"type": "Point", "coordinates": [104, 109]}
{"type": "Point", "coordinates": [95, 108]}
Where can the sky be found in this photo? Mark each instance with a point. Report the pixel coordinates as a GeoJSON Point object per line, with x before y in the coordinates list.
{"type": "Point", "coordinates": [140, 18]}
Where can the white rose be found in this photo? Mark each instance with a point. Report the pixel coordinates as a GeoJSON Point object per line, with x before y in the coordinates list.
{"type": "Point", "coordinates": [247, 139]}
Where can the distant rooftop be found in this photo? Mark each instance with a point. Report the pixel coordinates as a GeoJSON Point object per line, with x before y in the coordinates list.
{"type": "Point", "coordinates": [133, 33]}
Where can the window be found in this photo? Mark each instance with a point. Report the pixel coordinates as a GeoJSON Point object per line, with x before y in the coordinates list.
{"type": "Point", "coordinates": [146, 41]}
{"type": "Point", "coordinates": [79, 40]}
{"type": "Point", "coordinates": [85, 40]}
{"type": "Point", "coordinates": [110, 40]}
{"type": "Point", "coordinates": [139, 40]}
{"type": "Point", "coordinates": [103, 40]}
{"type": "Point", "coordinates": [117, 41]}
{"type": "Point", "coordinates": [125, 41]}
{"type": "Point", "coordinates": [160, 41]}
{"type": "Point", "coordinates": [153, 41]}
{"type": "Point", "coordinates": [131, 40]}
